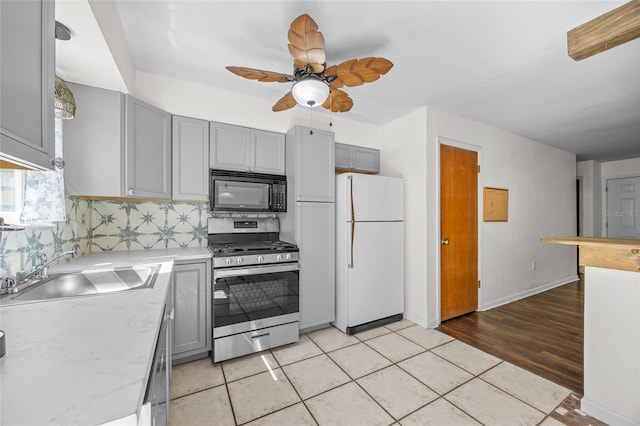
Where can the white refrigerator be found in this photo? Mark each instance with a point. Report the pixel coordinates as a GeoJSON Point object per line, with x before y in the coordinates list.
{"type": "Point", "coordinates": [369, 251]}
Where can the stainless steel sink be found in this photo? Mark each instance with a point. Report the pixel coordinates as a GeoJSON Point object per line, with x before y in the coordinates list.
{"type": "Point", "coordinates": [89, 282]}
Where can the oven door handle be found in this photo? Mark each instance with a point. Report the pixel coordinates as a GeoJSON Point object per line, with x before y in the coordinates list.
{"type": "Point", "coordinates": [254, 270]}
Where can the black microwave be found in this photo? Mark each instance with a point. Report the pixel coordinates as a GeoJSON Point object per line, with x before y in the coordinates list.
{"type": "Point", "coordinates": [231, 191]}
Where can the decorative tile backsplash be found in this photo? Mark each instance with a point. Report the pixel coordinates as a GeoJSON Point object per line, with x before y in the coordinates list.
{"type": "Point", "coordinates": [97, 225]}
{"type": "Point", "coordinates": [93, 226]}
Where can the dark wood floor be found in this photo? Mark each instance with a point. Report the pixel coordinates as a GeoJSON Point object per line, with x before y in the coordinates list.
{"type": "Point", "coordinates": [543, 334]}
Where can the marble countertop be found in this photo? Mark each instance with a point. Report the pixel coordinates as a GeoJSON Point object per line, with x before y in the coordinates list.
{"type": "Point", "coordinates": [85, 360]}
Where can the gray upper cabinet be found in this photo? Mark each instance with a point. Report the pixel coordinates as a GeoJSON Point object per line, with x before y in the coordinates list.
{"type": "Point", "coordinates": [148, 150]}
{"type": "Point", "coordinates": [192, 304]}
{"type": "Point", "coordinates": [116, 146]}
{"type": "Point", "coordinates": [27, 82]}
{"type": "Point", "coordinates": [94, 143]}
{"type": "Point", "coordinates": [244, 149]}
{"type": "Point", "coordinates": [190, 159]}
{"type": "Point", "coordinates": [268, 152]}
{"type": "Point", "coordinates": [312, 154]}
{"type": "Point", "coordinates": [357, 159]}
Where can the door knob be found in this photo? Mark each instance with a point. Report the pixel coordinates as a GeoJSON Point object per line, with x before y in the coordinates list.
{"type": "Point", "coordinates": [446, 242]}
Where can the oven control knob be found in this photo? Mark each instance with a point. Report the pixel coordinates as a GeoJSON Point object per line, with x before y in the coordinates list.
{"type": "Point", "coordinates": [278, 257]}
{"type": "Point", "coordinates": [287, 256]}
{"type": "Point", "coordinates": [260, 258]}
{"type": "Point", "coordinates": [228, 261]}
{"type": "Point", "coordinates": [239, 260]}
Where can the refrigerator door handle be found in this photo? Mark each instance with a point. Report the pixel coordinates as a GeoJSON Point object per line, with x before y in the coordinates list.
{"type": "Point", "coordinates": [353, 231]}
{"type": "Point", "coordinates": [352, 221]}
{"type": "Point", "coordinates": [353, 210]}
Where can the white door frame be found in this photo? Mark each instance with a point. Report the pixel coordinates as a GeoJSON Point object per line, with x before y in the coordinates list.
{"type": "Point", "coordinates": [442, 140]}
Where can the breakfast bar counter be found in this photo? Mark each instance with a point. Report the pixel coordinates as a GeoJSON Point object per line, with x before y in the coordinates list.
{"type": "Point", "coordinates": [611, 327]}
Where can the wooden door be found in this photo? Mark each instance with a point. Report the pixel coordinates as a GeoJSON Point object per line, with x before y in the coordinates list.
{"type": "Point", "coordinates": [459, 231]}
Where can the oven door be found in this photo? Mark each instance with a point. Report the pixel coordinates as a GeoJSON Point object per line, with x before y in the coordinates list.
{"type": "Point", "coordinates": [249, 298]}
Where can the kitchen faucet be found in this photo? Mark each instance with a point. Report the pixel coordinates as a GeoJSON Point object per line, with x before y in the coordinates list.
{"type": "Point", "coordinates": [40, 271]}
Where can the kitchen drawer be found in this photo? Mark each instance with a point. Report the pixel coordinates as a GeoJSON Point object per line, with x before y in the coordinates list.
{"type": "Point", "coordinates": [254, 341]}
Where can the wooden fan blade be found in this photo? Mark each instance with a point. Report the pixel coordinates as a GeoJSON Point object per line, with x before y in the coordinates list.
{"type": "Point", "coordinates": [261, 75]}
{"type": "Point", "coordinates": [306, 44]}
{"type": "Point", "coordinates": [338, 101]}
{"type": "Point", "coordinates": [355, 72]}
{"type": "Point", "coordinates": [286, 102]}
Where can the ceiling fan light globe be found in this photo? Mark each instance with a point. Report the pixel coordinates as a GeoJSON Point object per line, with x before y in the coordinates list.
{"type": "Point", "coordinates": [310, 92]}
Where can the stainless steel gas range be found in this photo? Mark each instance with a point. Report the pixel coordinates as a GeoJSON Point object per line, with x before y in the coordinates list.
{"type": "Point", "coordinates": [255, 287]}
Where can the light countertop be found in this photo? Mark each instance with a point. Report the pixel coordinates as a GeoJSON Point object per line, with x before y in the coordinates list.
{"type": "Point", "coordinates": [84, 360]}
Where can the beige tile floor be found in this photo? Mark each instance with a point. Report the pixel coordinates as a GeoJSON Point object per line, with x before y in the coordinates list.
{"type": "Point", "coordinates": [399, 374]}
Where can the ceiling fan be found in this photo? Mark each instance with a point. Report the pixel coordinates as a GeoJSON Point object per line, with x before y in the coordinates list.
{"type": "Point", "coordinates": [313, 82]}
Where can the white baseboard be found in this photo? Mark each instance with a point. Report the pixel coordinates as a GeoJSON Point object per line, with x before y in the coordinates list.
{"type": "Point", "coordinates": [605, 415]}
{"type": "Point", "coordinates": [527, 293]}
{"type": "Point", "coordinates": [423, 322]}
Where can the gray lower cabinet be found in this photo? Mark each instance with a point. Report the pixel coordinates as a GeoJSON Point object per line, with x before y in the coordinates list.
{"type": "Point", "coordinates": [27, 82]}
{"type": "Point", "coordinates": [315, 223]}
{"type": "Point", "coordinates": [247, 150]}
{"type": "Point", "coordinates": [192, 307]}
{"type": "Point", "coordinates": [116, 146]}
{"type": "Point", "coordinates": [357, 159]}
{"type": "Point", "coordinates": [190, 159]}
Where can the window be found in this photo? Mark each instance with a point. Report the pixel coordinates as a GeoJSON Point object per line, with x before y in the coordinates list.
{"type": "Point", "coordinates": [42, 202]}
{"type": "Point", "coordinates": [10, 195]}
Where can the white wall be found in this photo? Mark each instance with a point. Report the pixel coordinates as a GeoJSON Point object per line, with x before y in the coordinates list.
{"type": "Point", "coordinates": [199, 101]}
{"type": "Point", "coordinates": [542, 200]}
{"type": "Point", "coordinates": [541, 183]}
{"type": "Point", "coordinates": [621, 168]}
{"type": "Point", "coordinates": [404, 153]}
{"type": "Point", "coordinates": [591, 197]}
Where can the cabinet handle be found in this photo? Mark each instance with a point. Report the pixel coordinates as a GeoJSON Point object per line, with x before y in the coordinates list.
{"type": "Point", "coordinates": [171, 315]}
{"type": "Point", "coordinates": [131, 191]}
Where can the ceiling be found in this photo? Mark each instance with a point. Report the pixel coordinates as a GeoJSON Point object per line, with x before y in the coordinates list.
{"type": "Point", "coordinates": [503, 63]}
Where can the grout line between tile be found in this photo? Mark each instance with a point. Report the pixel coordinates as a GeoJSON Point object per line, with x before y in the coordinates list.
{"type": "Point", "coordinates": [355, 380]}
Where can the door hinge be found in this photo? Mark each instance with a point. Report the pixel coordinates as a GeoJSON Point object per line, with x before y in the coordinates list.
{"type": "Point", "coordinates": [478, 283]}
{"type": "Point", "coordinates": [478, 168]}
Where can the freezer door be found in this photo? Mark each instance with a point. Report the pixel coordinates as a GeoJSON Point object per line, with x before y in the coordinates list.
{"type": "Point", "coordinates": [376, 198]}
{"type": "Point", "coordinates": [375, 284]}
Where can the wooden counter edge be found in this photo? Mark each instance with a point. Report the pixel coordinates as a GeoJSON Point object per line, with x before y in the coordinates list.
{"type": "Point", "coordinates": [611, 253]}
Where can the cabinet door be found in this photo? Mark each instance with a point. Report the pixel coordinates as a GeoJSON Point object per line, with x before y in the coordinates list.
{"type": "Point", "coordinates": [94, 143]}
{"type": "Point", "coordinates": [190, 159]}
{"type": "Point", "coordinates": [148, 150]}
{"type": "Point", "coordinates": [315, 168]}
{"type": "Point", "coordinates": [343, 156]}
{"type": "Point", "coordinates": [267, 149]}
{"type": "Point", "coordinates": [316, 240]}
{"type": "Point", "coordinates": [191, 329]}
{"type": "Point", "coordinates": [366, 159]}
{"type": "Point", "coordinates": [27, 82]}
{"type": "Point", "coordinates": [229, 147]}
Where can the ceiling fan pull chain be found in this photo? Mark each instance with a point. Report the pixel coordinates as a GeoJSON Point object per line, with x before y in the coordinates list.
{"type": "Point", "coordinates": [330, 109]}
{"type": "Point", "coordinates": [310, 122]}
